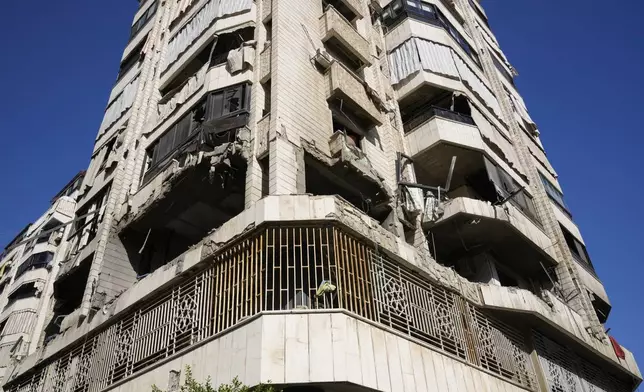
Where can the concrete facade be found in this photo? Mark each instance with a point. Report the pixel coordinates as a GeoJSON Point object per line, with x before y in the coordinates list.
{"type": "Point", "coordinates": [29, 265]}
{"type": "Point", "coordinates": [334, 194]}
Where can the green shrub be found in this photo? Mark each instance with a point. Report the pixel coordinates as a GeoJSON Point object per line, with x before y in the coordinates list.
{"type": "Point", "coordinates": [192, 385]}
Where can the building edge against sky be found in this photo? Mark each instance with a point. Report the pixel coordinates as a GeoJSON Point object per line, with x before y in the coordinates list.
{"type": "Point", "coordinates": [335, 195]}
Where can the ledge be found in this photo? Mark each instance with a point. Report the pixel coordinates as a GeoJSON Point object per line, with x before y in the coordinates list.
{"type": "Point", "coordinates": [559, 316]}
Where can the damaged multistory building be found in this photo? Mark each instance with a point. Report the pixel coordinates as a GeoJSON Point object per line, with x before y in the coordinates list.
{"type": "Point", "coordinates": [28, 267]}
{"type": "Point", "coordinates": [333, 195]}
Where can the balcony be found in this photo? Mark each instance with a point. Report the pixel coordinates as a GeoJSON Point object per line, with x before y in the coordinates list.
{"type": "Point", "coordinates": [344, 86]}
{"type": "Point", "coordinates": [64, 209]}
{"type": "Point", "coordinates": [465, 223]}
{"type": "Point", "coordinates": [335, 30]}
{"type": "Point", "coordinates": [354, 281]}
{"type": "Point", "coordinates": [558, 315]}
{"type": "Point", "coordinates": [36, 274]}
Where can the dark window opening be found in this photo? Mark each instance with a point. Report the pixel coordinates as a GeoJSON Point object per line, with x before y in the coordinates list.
{"type": "Point", "coordinates": [143, 20]}
{"type": "Point", "coordinates": [577, 249]}
{"type": "Point", "coordinates": [266, 87]}
{"type": "Point", "coordinates": [268, 26]}
{"type": "Point", "coordinates": [343, 124]}
{"type": "Point", "coordinates": [230, 41]}
{"type": "Point", "coordinates": [505, 279]}
{"type": "Point", "coordinates": [132, 59]}
{"type": "Point", "coordinates": [264, 165]}
{"type": "Point", "coordinates": [321, 179]}
{"type": "Point", "coordinates": [223, 110]}
{"type": "Point", "coordinates": [68, 295]}
{"type": "Point", "coordinates": [554, 194]}
{"type": "Point", "coordinates": [192, 207]}
{"type": "Point", "coordinates": [337, 51]}
{"type": "Point", "coordinates": [35, 261]}
{"type": "Point", "coordinates": [341, 7]}
{"type": "Point", "coordinates": [26, 290]}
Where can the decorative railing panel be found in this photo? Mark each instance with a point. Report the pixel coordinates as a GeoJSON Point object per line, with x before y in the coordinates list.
{"type": "Point", "coordinates": [282, 268]}
{"type": "Point", "coordinates": [565, 371]}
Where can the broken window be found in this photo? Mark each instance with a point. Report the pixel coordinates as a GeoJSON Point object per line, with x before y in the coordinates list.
{"type": "Point", "coordinates": [507, 188]}
{"type": "Point", "coordinates": [143, 20]}
{"type": "Point", "coordinates": [577, 249]}
{"type": "Point", "coordinates": [109, 147]}
{"type": "Point", "coordinates": [35, 261]}
{"type": "Point", "coordinates": [230, 41]}
{"type": "Point", "coordinates": [131, 60]}
{"type": "Point", "coordinates": [343, 124]}
{"type": "Point", "coordinates": [222, 110]}
{"type": "Point", "coordinates": [88, 218]}
{"type": "Point", "coordinates": [26, 290]}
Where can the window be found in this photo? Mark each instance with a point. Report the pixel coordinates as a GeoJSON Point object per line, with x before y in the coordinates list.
{"type": "Point", "coordinates": [131, 60]}
{"type": "Point", "coordinates": [35, 261]}
{"type": "Point", "coordinates": [143, 20]}
{"type": "Point", "coordinates": [267, 97]}
{"type": "Point", "coordinates": [506, 186]}
{"type": "Point", "coordinates": [228, 103]}
{"type": "Point", "coordinates": [230, 41]}
{"type": "Point", "coordinates": [502, 69]}
{"type": "Point", "coordinates": [109, 147]}
{"type": "Point", "coordinates": [554, 194]}
{"type": "Point", "coordinates": [577, 249]}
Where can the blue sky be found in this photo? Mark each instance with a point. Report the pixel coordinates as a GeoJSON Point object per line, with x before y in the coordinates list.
{"type": "Point", "coordinates": [580, 65]}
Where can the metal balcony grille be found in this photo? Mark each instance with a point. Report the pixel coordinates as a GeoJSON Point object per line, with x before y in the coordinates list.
{"type": "Point", "coordinates": [280, 268]}
{"type": "Point", "coordinates": [565, 371]}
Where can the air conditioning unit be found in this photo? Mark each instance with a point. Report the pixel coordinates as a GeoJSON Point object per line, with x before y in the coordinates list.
{"type": "Point", "coordinates": [323, 59]}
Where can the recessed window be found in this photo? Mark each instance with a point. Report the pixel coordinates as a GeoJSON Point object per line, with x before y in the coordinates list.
{"type": "Point", "coordinates": [143, 20]}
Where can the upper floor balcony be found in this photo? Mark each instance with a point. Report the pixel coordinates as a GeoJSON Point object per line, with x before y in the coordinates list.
{"type": "Point", "coordinates": [553, 310]}
{"type": "Point", "coordinates": [346, 89]}
{"type": "Point", "coordinates": [336, 30]}
{"type": "Point", "coordinates": [21, 302]}
{"type": "Point", "coordinates": [299, 258]}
